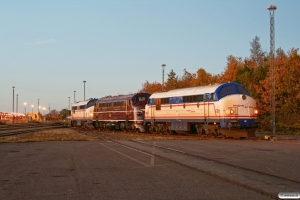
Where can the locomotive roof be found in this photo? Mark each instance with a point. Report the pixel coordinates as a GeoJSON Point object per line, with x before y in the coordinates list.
{"type": "Point", "coordinates": [115, 98]}
{"type": "Point", "coordinates": [190, 91]}
{"type": "Point", "coordinates": [119, 98]}
{"type": "Point", "coordinates": [80, 103]}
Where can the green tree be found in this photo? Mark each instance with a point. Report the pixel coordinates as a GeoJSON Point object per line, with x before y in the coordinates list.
{"type": "Point", "coordinates": [65, 113]}
{"type": "Point", "coordinates": [257, 54]}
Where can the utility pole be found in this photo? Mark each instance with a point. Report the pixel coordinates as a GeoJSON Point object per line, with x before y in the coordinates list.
{"type": "Point", "coordinates": [84, 90]}
{"type": "Point", "coordinates": [163, 74]}
{"type": "Point", "coordinates": [13, 99]}
{"type": "Point", "coordinates": [17, 104]}
{"type": "Point", "coordinates": [272, 9]}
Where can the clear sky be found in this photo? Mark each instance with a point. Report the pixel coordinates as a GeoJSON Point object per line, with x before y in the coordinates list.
{"type": "Point", "coordinates": [48, 48]}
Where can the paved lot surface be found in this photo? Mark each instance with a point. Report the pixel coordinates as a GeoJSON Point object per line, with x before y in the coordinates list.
{"type": "Point", "coordinates": [106, 170]}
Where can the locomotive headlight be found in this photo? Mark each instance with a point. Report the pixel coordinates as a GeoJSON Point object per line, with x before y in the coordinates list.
{"type": "Point", "coordinates": [255, 111]}
{"type": "Point", "coordinates": [231, 111]}
{"type": "Point", "coordinates": [91, 114]}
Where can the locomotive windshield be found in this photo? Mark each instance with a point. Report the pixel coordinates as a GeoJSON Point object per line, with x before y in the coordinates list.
{"type": "Point", "coordinates": [242, 90]}
{"type": "Point", "coordinates": [141, 98]}
{"type": "Point", "coordinates": [91, 103]}
{"type": "Point", "coordinates": [232, 89]}
{"type": "Point", "coordinates": [227, 90]}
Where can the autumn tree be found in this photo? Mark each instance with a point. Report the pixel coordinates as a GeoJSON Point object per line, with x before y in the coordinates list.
{"type": "Point", "coordinates": [151, 87]}
{"type": "Point", "coordinates": [287, 90]}
{"type": "Point", "coordinates": [204, 78]}
{"type": "Point", "coordinates": [257, 54]}
{"type": "Point", "coordinates": [233, 65]}
{"type": "Point", "coordinates": [287, 73]}
{"type": "Point", "coordinates": [172, 82]}
{"type": "Point", "coordinates": [186, 80]}
{"type": "Point", "coordinates": [249, 75]}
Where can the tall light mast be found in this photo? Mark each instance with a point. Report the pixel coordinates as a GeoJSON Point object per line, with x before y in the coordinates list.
{"type": "Point", "coordinates": [272, 9]}
{"type": "Point", "coordinates": [163, 74]}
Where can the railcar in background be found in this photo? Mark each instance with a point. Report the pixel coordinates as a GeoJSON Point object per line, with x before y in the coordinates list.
{"type": "Point", "coordinates": [122, 112]}
{"type": "Point", "coordinates": [82, 112]}
{"type": "Point", "coordinates": [220, 109]}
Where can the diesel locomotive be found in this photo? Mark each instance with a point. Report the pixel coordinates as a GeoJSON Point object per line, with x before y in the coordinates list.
{"type": "Point", "coordinates": [220, 109]}
{"type": "Point", "coordinates": [225, 109]}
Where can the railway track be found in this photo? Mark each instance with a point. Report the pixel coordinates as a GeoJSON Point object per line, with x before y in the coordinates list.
{"type": "Point", "coordinates": [14, 130]}
{"type": "Point", "coordinates": [257, 181]}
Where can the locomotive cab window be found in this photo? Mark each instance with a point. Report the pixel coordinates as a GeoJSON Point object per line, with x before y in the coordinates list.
{"type": "Point", "coordinates": [227, 90]}
{"type": "Point", "coordinates": [91, 103]}
{"type": "Point", "coordinates": [82, 107]}
{"type": "Point", "coordinates": [141, 98]}
{"type": "Point", "coordinates": [242, 90]}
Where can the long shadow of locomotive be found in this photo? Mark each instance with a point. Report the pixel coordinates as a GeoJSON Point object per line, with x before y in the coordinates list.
{"type": "Point", "coordinates": [225, 110]}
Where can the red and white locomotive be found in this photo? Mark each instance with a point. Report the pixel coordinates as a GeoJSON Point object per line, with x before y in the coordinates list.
{"type": "Point", "coordinates": [122, 112]}
{"type": "Point", "coordinates": [226, 109]}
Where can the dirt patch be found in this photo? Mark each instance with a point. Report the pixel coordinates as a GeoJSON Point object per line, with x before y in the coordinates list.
{"type": "Point", "coordinates": [148, 136]}
{"type": "Point", "coordinates": [64, 134]}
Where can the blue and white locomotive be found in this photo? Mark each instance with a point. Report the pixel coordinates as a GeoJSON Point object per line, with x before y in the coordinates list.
{"type": "Point", "coordinates": [220, 109]}
{"type": "Point", "coordinates": [82, 112]}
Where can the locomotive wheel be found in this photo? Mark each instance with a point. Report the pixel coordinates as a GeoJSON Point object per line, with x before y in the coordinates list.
{"type": "Point", "coordinates": [152, 129]}
{"type": "Point", "coordinates": [75, 124]}
{"type": "Point", "coordinates": [238, 125]}
{"type": "Point", "coordinates": [161, 131]}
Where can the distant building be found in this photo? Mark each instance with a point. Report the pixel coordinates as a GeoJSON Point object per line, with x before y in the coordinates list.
{"type": "Point", "coordinates": [34, 116]}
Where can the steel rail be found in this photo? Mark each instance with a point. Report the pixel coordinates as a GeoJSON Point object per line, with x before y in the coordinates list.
{"type": "Point", "coordinates": [31, 129]}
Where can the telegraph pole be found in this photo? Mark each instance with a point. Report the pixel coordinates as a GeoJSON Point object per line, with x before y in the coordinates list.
{"type": "Point", "coordinates": [272, 9]}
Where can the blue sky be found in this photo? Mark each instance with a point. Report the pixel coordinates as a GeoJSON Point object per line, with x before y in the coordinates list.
{"type": "Point", "coordinates": [49, 47]}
